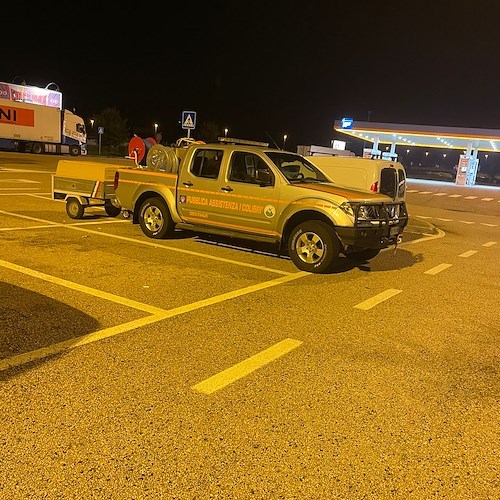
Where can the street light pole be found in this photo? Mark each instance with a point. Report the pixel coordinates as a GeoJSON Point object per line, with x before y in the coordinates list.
{"type": "Point", "coordinates": [225, 132]}
{"type": "Point", "coordinates": [284, 140]}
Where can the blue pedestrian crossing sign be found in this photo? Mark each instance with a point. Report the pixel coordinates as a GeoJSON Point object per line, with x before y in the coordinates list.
{"type": "Point", "coordinates": [188, 120]}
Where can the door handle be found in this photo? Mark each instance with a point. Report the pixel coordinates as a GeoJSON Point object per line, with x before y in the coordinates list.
{"type": "Point", "coordinates": [227, 189]}
{"type": "Point", "coordinates": [187, 184]}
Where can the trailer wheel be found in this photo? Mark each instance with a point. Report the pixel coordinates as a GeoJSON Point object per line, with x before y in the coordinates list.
{"type": "Point", "coordinates": [111, 210]}
{"type": "Point", "coordinates": [74, 208]}
{"type": "Point", "coordinates": [154, 218]}
{"type": "Point", "coordinates": [314, 247]}
{"type": "Point", "coordinates": [37, 148]}
{"type": "Point", "coordinates": [74, 150]}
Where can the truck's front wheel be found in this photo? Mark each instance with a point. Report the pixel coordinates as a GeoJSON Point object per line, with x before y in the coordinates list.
{"type": "Point", "coordinates": [154, 218]}
{"type": "Point", "coordinates": [313, 246]}
{"type": "Point", "coordinates": [74, 150]}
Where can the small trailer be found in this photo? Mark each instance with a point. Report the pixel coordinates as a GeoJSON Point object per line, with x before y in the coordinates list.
{"type": "Point", "coordinates": [84, 184]}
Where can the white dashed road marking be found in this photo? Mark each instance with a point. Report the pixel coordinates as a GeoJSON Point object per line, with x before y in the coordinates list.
{"type": "Point", "coordinates": [381, 297]}
{"type": "Point", "coordinates": [490, 244]}
{"type": "Point", "coordinates": [19, 181]}
{"type": "Point", "coordinates": [249, 365]}
{"type": "Point", "coordinates": [468, 253]}
{"type": "Point", "coordinates": [438, 269]}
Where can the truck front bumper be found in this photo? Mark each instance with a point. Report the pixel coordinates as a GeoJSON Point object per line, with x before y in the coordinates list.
{"type": "Point", "coordinates": [356, 238]}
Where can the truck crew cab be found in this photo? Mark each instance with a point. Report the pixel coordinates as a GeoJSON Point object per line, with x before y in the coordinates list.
{"type": "Point", "coordinates": [238, 189]}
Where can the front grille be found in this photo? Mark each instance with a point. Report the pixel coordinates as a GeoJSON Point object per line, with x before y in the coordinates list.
{"type": "Point", "coordinates": [377, 214]}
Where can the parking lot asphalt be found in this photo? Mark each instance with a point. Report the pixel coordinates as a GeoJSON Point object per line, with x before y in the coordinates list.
{"type": "Point", "coordinates": [194, 368]}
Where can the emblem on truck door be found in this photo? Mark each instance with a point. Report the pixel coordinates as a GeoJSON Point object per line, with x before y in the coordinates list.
{"type": "Point", "coordinates": [269, 211]}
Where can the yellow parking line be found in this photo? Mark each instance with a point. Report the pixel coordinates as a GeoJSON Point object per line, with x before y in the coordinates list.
{"type": "Point", "coordinates": [115, 330]}
{"type": "Point", "coordinates": [60, 347]}
{"type": "Point", "coordinates": [183, 251]}
{"type": "Point", "coordinates": [82, 288]}
{"type": "Point", "coordinates": [32, 218]}
{"type": "Point", "coordinates": [437, 269]}
{"type": "Point", "coordinates": [368, 304]}
{"type": "Point", "coordinates": [151, 244]}
{"type": "Point", "coordinates": [249, 365]}
{"type": "Point", "coordinates": [427, 237]}
{"type": "Point", "coordinates": [468, 253]}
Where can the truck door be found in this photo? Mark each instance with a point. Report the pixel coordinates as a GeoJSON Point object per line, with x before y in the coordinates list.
{"type": "Point", "coordinates": [198, 189]}
{"type": "Point", "coordinates": [250, 196]}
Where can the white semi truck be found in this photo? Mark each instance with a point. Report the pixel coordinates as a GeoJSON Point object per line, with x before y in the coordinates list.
{"type": "Point", "coordinates": [32, 120]}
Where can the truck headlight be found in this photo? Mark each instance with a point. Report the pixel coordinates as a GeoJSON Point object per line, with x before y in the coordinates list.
{"type": "Point", "coordinates": [347, 208]}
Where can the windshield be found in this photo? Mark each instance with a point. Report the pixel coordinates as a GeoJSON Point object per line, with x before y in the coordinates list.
{"type": "Point", "coordinates": [296, 168]}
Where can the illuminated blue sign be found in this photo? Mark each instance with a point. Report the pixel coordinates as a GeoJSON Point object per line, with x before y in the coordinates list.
{"type": "Point", "coordinates": [346, 123]}
{"type": "Point", "coordinates": [188, 120]}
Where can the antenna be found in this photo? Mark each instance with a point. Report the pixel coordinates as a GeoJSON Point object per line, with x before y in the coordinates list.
{"type": "Point", "coordinates": [273, 141]}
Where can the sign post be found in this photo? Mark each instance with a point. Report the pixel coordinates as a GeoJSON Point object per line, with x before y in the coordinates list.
{"type": "Point", "coordinates": [100, 131]}
{"type": "Point", "coordinates": [188, 121]}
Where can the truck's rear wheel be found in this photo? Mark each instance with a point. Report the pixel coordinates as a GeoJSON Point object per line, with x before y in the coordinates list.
{"type": "Point", "coordinates": [314, 247]}
{"type": "Point", "coordinates": [74, 208]}
{"type": "Point", "coordinates": [154, 218]}
{"type": "Point", "coordinates": [37, 148]}
{"type": "Point", "coordinates": [362, 255]}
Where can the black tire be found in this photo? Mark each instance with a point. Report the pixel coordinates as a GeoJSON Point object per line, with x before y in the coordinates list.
{"type": "Point", "coordinates": [75, 150]}
{"type": "Point", "coordinates": [74, 208]}
{"type": "Point", "coordinates": [111, 210]}
{"type": "Point", "coordinates": [363, 255]}
{"type": "Point", "coordinates": [37, 148]}
{"type": "Point", "coordinates": [314, 247]}
{"type": "Point", "coordinates": [154, 218]}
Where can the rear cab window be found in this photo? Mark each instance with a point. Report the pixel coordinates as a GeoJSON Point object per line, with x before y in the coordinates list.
{"type": "Point", "coordinates": [206, 163]}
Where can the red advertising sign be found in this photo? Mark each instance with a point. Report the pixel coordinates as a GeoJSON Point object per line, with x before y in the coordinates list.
{"type": "Point", "coordinates": [17, 116]}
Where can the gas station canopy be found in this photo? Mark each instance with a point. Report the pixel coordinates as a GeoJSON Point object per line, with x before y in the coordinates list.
{"type": "Point", "coordinates": [421, 135]}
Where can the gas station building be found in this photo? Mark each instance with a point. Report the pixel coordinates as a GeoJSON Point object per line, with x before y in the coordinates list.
{"type": "Point", "coordinates": [468, 140]}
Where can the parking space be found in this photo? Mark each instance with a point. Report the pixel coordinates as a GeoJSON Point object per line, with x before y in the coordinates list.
{"type": "Point", "coordinates": [103, 272]}
{"type": "Point", "coordinates": [117, 345]}
{"type": "Point", "coordinates": [112, 272]}
{"type": "Point", "coordinates": [78, 281]}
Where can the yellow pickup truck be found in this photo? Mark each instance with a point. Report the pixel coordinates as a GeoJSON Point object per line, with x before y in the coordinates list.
{"type": "Point", "coordinates": [242, 190]}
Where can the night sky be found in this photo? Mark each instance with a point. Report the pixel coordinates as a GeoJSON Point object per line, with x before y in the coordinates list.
{"type": "Point", "coordinates": [264, 68]}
